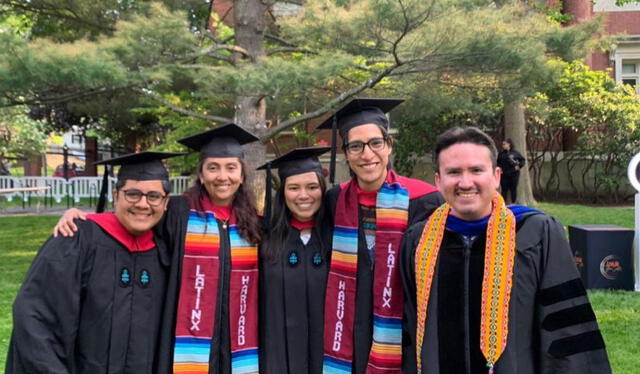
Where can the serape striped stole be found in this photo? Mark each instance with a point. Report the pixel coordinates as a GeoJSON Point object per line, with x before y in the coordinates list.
{"type": "Point", "coordinates": [385, 356]}
{"type": "Point", "coordinates": [195, 325]}
{"type": "Point", "coordinates": [499, 259]}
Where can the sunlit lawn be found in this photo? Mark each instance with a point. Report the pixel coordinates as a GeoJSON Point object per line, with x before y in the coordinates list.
{"type": "Point", "coordinates": [618, 311]}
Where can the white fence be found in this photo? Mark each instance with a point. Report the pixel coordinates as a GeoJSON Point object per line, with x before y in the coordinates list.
{"type": "Point", "coordinates": [76, 188]}
{"type": "Point", "coordinates": [8, 183]}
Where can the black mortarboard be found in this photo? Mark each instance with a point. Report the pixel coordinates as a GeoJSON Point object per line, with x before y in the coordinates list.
{"type": "Point", "coordinates": [222, 141]}
{"type": "Point", "coordinates": [297, 161]}
{"type": "Point", "coordinates": [359, 111]}
{"type": "Point", "coordinates": [141, 166]}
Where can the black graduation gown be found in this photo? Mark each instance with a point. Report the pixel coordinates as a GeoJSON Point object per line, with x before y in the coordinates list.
{"type": "Point", "coordinates": [552, 328]}
{"type": "Point", "coordinates": [419, 208]}
{"type": "Point", "coordinates": [75, 314]}
{"type": "Point", "coordinates": [174, 230]}
{"type": "Point", "coordinates": [292, 307]}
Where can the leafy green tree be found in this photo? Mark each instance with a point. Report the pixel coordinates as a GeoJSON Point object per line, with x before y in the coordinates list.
{"type": "Point", "coordinates": [20, 136]}
{"type": "Point", "coordinates": [607, 118]}
{"type": "Point", "coordinates": [270, 76]}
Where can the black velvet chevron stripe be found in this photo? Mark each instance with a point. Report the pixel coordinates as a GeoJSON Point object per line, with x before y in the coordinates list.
{"type": "Point", "coordinates": [587, 341]}
{"type": "Point", "coordinates": [569, 317]}
{"type": "Point", "coordinates": [563, 291]}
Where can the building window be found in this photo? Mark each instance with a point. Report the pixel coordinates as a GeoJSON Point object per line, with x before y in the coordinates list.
{"type": "Point", "coordinates": [611, 6]}
{"type": "Point", "coordinates": [626, 60]}
{"type": "Point", "coordinates": [76, 139]}
{"type": "Point", "coordinates": [631, 74]}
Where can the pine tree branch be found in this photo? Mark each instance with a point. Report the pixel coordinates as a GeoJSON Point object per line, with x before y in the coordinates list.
{"type": "Point", "coordinates": [291, 50]}
{"type": "Point", "coordinates": [55, 12]}
{"type": "Point", "coordinates": [211, 52]}
{"type": "Point", "coordinates": [279, 40]}
{"type": "Point", "coordinates": [179, 109]}
{"type": "Point", "coordinates": [199, 66]}
{"type": "Point", "coordinates": [59, 99]}
{"type": "Point", "coordinates": [331, 104]}
{"type": "Point", "coordinates": [226, 40]}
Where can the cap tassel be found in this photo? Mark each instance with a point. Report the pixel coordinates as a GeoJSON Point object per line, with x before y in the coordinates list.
{"type": "Point", "coordinates": [332, 165]}
{"type": "Point", "coordinates": [266, 221]}
{"type": "Point", "coordinates": [102, 201]}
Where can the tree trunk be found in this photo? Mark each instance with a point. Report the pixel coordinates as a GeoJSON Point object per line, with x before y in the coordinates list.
{"type": "Point", "coordinates": [251, 108]}
{"type": "Point", "coordinates": [515, 128]}
{"type": "Point", "coordinates": [250, 114]}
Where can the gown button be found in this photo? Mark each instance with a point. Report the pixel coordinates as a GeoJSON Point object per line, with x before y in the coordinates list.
{"type": "Point", "coordinates": [145, 279]}
{"type": "Point", "coordinates": [293, 258]}
{"type": "Point", "coordinates": [316, 259]}
{"type": "Point", "coordinates": [125, 277]}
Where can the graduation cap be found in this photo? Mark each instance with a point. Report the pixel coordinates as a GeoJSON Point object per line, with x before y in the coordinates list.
{"type": "Point", "coordinates": [222, 141]}
{"type": "Point", "coordinates": [297, 161]}
{"type": "Point", "coordinates": [359, 111]}
{"type": "Point", "coordinates": [142, 166]}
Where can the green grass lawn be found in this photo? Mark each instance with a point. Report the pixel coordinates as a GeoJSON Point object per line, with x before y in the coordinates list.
{"type": "Point", "coordinates": [20, 238]}
{"type": "Point", "coordinates": [43, 203]}
{"type": "Point", "coordinates": [618, 311]}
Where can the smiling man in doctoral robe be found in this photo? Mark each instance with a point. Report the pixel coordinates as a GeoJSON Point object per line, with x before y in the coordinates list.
{"type": "Point", "coordinates": [492, 288]}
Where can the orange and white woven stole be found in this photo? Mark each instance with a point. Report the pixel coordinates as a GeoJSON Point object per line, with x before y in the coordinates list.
{"type": "Point", "coordinates": [497, 282]}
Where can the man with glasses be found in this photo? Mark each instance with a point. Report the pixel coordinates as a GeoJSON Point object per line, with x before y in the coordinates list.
{"type": "Point", "coordinates": [92, 303]}
{"type": "Point", "coordinates": [364, 296]}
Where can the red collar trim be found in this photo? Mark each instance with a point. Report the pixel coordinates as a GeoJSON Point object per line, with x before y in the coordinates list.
{"type": "Point", "coordinates": [416, 187]}
{"type": "Point", "coordinates": [366, 198]}
{"type": "Point", "coordinates": [299, 225]}
{"type": "Point", "coordinates": [223, 213]}
{"type": "Point", "coordinates": [109, 223]}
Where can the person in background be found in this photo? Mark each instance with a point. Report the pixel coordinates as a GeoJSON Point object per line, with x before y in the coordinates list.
{"type": "Point", "coordinates": [294, 267]}
{"type": "Point", "coordinates": [364, 301]}
{"type": "Point", "coordinates": [491, 288]}
{"type": "Point", "coordinates": [93, 303]}
{"type": "Point", "coordinates": [510, 162]}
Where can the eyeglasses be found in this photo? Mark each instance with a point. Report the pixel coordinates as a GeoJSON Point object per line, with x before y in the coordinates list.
{"type": "Point", "coordinates": [356, 147]}
{"type": "Point", "coordinates": [154, 198]}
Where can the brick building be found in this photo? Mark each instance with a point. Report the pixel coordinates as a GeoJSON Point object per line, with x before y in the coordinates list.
{"type": "Point", "coordinates": [623, 22]}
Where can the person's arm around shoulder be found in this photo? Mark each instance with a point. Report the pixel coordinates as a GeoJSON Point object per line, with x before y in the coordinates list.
{"type": "Point", "coordinates": [46, 309]}
{"type": "Point", "coordinates": [66, 226]}
{"type": "Point", "coordinates": [570, 340]}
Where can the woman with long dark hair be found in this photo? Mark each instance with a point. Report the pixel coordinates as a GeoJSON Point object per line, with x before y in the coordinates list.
{"type": "Point", "coordinates": [510, 161]}
{"type": "Point", "coordinates": [210, 319]}
{"type": "Point", "coordinates": [294, 266]}
{"type": "Point", "coordinates": [212, 314]}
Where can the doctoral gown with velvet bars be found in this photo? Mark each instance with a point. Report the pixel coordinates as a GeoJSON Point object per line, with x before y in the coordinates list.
{"type": "Point", "coordinates": [292, 295]}
{"type": "Point", "coordinates": [174, 230]}
{"type": "Point", "coordinates": [552, 328]}
{"type": "Point", "coordinates": [77, 313]}
{"type": "Point", "coordinates": [420, 207]}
